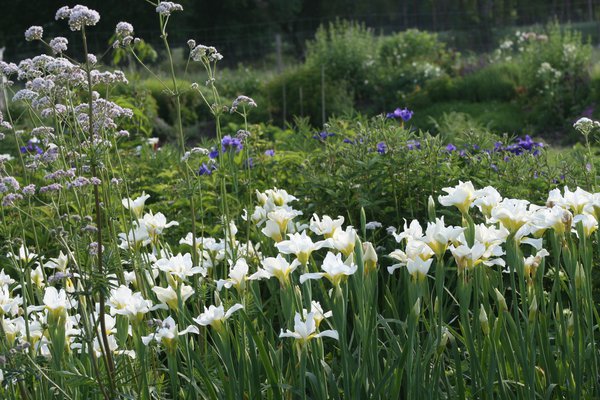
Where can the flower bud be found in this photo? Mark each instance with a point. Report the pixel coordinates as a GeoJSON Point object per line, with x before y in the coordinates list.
{"type": "Point", "coordinates": [533, 308]}
{"type": "Point", "coordinates": [369, 257]}
{"type": "Point", "coordinates": [417, 308]}
{"type": "Point", "coordinates": [579, 276]}
{"type": "Point", "coordinates": [431, 208]}
{"type": "Point", "coordinates": [483, 320]}
{"type": "Point", "coordinates": [501, 301]}
{"type": "Point", "coordinates": [443, 342]}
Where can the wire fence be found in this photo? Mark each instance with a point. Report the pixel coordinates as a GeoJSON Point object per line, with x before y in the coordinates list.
{"type": "Point", "coordinates": [255, 42]}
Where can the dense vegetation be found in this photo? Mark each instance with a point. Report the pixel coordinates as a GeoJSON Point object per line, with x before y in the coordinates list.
{"type": "Point", "coordinates": [363, 259]}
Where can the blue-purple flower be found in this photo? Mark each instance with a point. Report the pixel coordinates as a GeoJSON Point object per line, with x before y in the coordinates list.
{"type": "Point", "coordinates": [381, 148]}
{"type": "Point", "coordinates": [450, 148]}
{"type": "Point", "coordinates": [403, 113]}
{"type": "Point", "coordinates": [270, 153]}
{"type": "Point", "coordinates": [413, 144]}
{"type": "Point", "coordinates": [323, 135]}
{"type": "Point", "coordinates": [31, 147]}
{"type": "Point", "coordinates": [214, 153]}
{"type": "Point", "coordinates": [249, 163]}
{"type": "Point", "coordinates": [231, 143]}
{"type": "Point", "coordinates": [206, 169]}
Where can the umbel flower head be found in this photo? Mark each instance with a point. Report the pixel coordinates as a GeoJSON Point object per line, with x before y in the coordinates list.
{"type": "Point", "coordinates": [79, 16]}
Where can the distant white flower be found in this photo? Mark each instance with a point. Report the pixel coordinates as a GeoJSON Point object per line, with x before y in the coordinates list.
{"type": "Point", "coordinates": [301, 245]}
{"type": "Point", "coordinates": [276, 267]}
{"type": "Point", "coordinates": [585, 125]}
{"type": "Point", "coordinates": [461, 196]}
{"type": "Point", "coordinates": [334, 270]}
{"type": "Point", "coordinates": [467, 257]}
{"type": "Point", "coordinates": [344, 241]}
{"type": "Point", "coordinates": [123, 301]}
{"type": "Point", "coordinates": [372, 225]}
{"type": "Point", "coordinates": [438, 236]}
{"type": "Point", "coordinates": [306, 329]}
{"type": "Point", "coordinates": [418, 267]}
{"type": "Point", "coordinates": [169, 295]}
{"type": "Point", "coordinates": [24, 255]}
{"type": "Point", "coordinates": [167, 333]}
{"type": "Point", "coordinates": [156, 224]}
{"type": "Point", "coordinates": [138, 236]}
{"type": "Point", "coordinates": [486, 199]}
{"type": "Point", "coordinates": [317, 310]}
{"type": "Point", "coordinates": [532, 262]}
{"type": "Point", "coordinates": [180, 266]}
{"type": "Point", "coordinates": [512, 213]}
{"type": "Point", "coordinates": [56, 302]}
{"type": "Point", "coordinates": [414, 249]}
{"type": "Point", "coordinates": [9, 304]}
{"type": "Point", "coordinates": [136, 206]}
{"type": "Point", "coordinates": [272, 230]}
{"type": "Point", "coordinates": [237, 276]}
{"type": "Point", "coordinates": [5, 279]}
{"type": "Point", "coordinates": [59, 263]}
{"type": "Point", "coordinates": [216, 316]}
{"type": "Point", "coordinates": [589, 223]}
{"type": "Point", "coordinates": [279, 197]}
{"type": "Point", "coordinates": [37, 277]}
{"type": "Point", "coordinates": [557, 218]}
{"type": "Point", "coordinates": [326, 226]}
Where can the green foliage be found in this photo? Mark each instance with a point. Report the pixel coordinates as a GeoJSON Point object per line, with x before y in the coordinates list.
{"type": "Point", "coordinates": [143, 50]}
{"type": "Point", "coordinates": [346, 51]}
{"type": "Point", "coordinates": [300, 90]}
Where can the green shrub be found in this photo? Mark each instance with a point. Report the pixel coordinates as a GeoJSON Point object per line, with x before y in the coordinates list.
{"type": "Point", "coordinates": [346, 51]}
{"type": "Point", "coordinates": [554, 70]}
{"type": "Point", "coordinates": [303, 95]}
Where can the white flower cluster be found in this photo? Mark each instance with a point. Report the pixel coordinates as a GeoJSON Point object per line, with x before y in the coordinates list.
{"type": "Point", "coordinates": [585, 126]}
{"type": "Point", "coordinates": [205, 53]}
{"type": "Point", "coordinates": [34, 33]}
{"type": "Point", "coordinates": [241, 101]}
{"type": "Point", "coordinates": [79, 16]}
{"type": "Point", "coordinates": [524, 221]}
{"type": "Point", "coordinates": [124, 32]}
{"type": "Point", "coordinates": [59, 44]}
{"type": "Point", "coordinates": [165, 8]}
